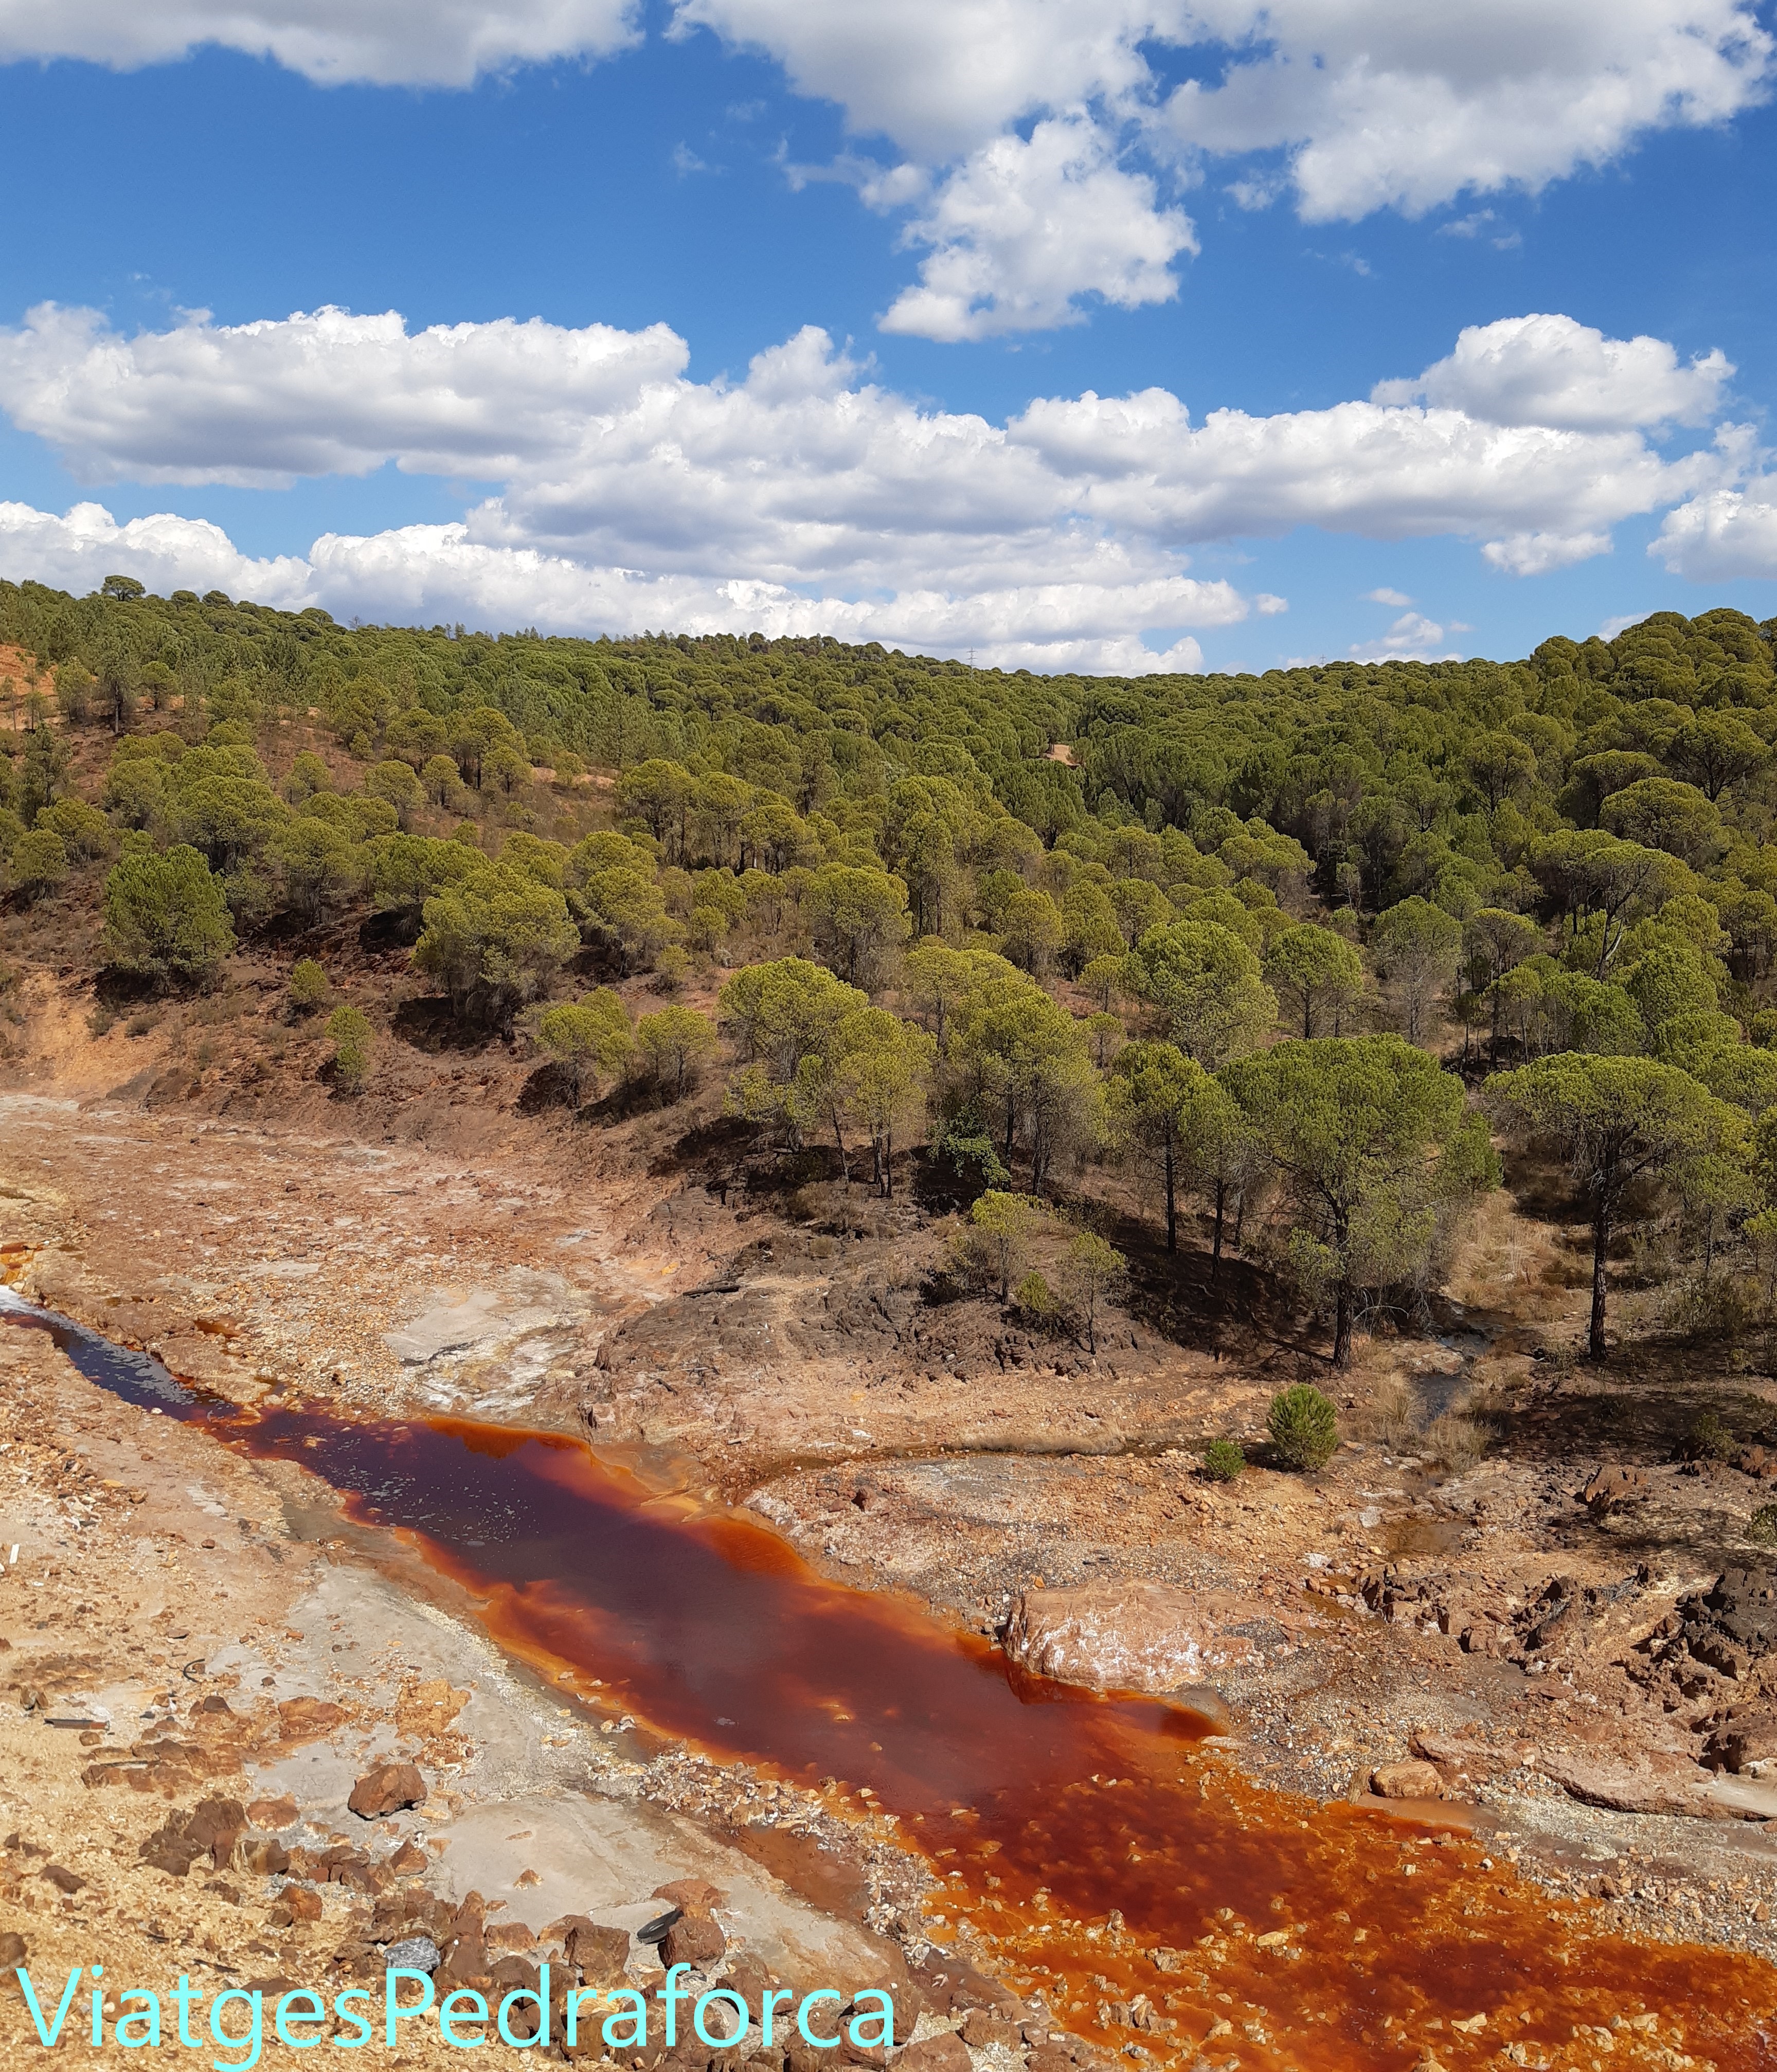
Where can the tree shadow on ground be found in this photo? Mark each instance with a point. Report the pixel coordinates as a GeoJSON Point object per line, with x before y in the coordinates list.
{"type": "Point", "coordinates": [429, 1023]}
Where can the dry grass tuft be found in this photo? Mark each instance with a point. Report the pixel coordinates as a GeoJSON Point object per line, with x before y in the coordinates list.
{"type": "Point", "coordinates": [1390, 1418]}
{"type": "Point", "coordinates": [1455, 1441]}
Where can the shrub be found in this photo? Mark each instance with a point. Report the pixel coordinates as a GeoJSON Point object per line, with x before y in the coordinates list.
{"type": "Point", "coordinates": [165, 916]}
{"type": "Point", "coordinates": [354, 1042]}
{"type": "Point", "coordinates": [494, 940]}
{"type": "Point", "coordinates": [308, 775]}
{"type": "Point", "coordinates": [674, 1041]}
{"type": "Point", "coordinates": [1761, 1526]}
{"type": "Point", "coordinates": [1223, 1460]}
{"type": "Point", "coordinates": [442, 781]}
{"type": "Point", "coordinates": [591, 1038]}
{"type": "Point", "coordinates": [1717, 1306]}
{"type": "Point", "coordinates": [84, 831]}
{"type": "Point", "coordinates": [671, 968]}
{"type": "Point", "coordinates": [970, 1152]}
{"type": "Point", "coordinates": [39, 863]}
{"type": "Point", "coordinates": [1706, 1438]}
{"type": "Point", "coordinates": [396, 784]}
{"type": "Point", "coordinates": [308, 986]}
{"type": "Point", "coordinates": [1096, 1271]}
{"type": "Point", "coordinates": [1039, 1302]}
{"type": "Point", "coordinates": [1304, 1426]}
{"type": "Point", "coordinates": [74, 688]}
{"type": "Point", "coordinates": [990, 1244]}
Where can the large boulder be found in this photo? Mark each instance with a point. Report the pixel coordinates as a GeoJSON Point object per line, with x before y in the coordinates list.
{"type": "Point", "coordinates": [1143, 1637]}
{"type": "Point", "coordinates": [391, 1787]}
{"type": "Point", "coordinates": [1413, 1779]}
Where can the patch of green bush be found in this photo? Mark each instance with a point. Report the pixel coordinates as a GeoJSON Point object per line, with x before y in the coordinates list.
{"type": "Point", "coordinates": [1223, 1460]}
{"type": "Point", "coordinates": [1304, 1428]}
{"type": "Point", "coordinates": [308, 986]}
{"type": "Point", "coordinates": [1707, 1438]}
{"type": "Point", "coordinates": [354, 1043]}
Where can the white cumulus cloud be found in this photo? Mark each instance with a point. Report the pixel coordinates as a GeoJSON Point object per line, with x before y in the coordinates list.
{"type": "Point", "coordinates": [1541, 553]}
{"type": "Point", "coordinates": [1351, 105]}
{"type": "Point", "coordinates": [1723, 535]}
{"type": "Point", "coordinates": [380, 43]}
{"type": "Point", "coordinates": [940, 77]}
{"type": "Point", "coordinates": [804, 496]}
{"type": "Point", "coordinates": [435, 573]}
{"type": "Point", "coordinates": [1412, 638]}
{"type": "Point", "coordinates": [1377, 105]}
{"type": "Point", "coordinates": [1389, 472]}
{"type": "Point", "coordinates": [1021, 229]}
{"type": "Point", "coordinates": [77, 551]}
{"type": "Point", "coordinates": [1550, 370]}
{"type": "Point", "coordinates": [257, 404]}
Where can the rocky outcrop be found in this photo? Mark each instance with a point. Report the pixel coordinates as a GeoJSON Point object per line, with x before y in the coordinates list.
{"type": "Point", "coordinates": [1736, 1624]}
{"type": "Point", "coordinates": [1609, 1489]}
{"type": "Point", "coordinates": [1743, 1740]}
{"type": "Point", "coordinates": [1121, 1637]}
{"type": "Point", "coordinates": [1725, 1635]}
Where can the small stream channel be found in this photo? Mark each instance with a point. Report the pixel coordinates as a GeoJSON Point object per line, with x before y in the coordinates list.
{"type": "Point", "coordinates": [1047, 1808]}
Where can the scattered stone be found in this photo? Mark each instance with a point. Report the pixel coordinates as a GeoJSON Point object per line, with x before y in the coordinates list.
{"type": "Point", "coordinates": [213, 1827]}
{"type": "Point", "coordinates": [599, 1953]}
{"type": "Point", "coordinates": [273, 1812]}
{"type": "Point", "coordinates": [944, 2053]}
{"type": "Point", "coordinates": [1671, 1787]}
{"type": "Point", "coordinates": [216, 1825]}
{"type": "Point", "coordinates": [693, 1939]}
{"type": "Point", "coordinates": [308, 1719]}
{"type": "Point", "coordinates": [294, 1903]}
{"type": "Point", "coordinates": [1743, 1740]}
{"type": "Point", "coordinates": [13, 1952]}
{"type": "Point", "coordinates": [391, 1787]}
{"type": "Point", "coordinates": [980, 2028]}
{"type": "Point", "coordinates": [1611, 1488]}
{"type": "Point", "coordinates": [63, 1879]}
{"type": "Point", "coordinates": [416, 1953]}
{"type": "Point", "coordinates": [1412, 1779]}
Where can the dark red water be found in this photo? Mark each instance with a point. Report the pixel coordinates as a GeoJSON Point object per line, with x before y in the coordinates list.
{"type": "Point", "coordinates": [1054, 1808]}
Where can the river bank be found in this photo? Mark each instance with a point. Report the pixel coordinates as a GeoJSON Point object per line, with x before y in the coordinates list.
{"type": "Point", "coordinates": [149, 1256]}
{"type": "Point", "coordinates": [192, 1627]}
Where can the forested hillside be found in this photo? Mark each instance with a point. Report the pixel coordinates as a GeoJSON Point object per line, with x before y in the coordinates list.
{"type": "Point", "coordinates": [1291, 952]}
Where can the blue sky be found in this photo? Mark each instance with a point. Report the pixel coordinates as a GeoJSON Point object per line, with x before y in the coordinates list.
{"type": "Point", "coordinates": [993, 210]}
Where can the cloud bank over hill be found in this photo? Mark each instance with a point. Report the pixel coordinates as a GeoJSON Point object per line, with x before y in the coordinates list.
{"type": "Point", "coordinates": [807, 498]}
